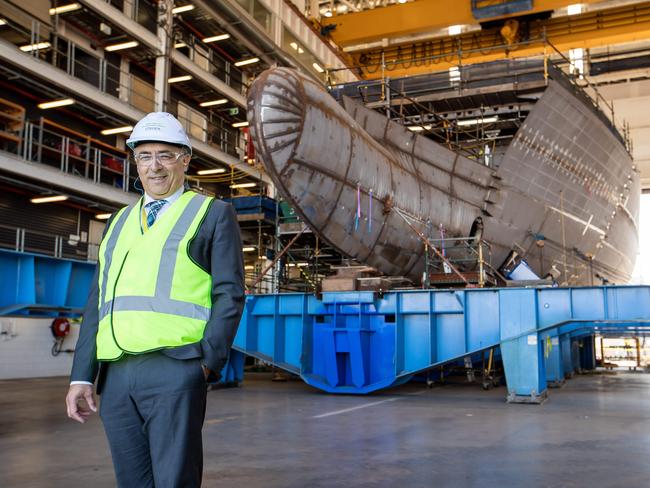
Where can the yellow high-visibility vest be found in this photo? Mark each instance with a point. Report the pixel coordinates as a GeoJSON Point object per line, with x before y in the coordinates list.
{"type": "Point", "coordinates": [152, 295]}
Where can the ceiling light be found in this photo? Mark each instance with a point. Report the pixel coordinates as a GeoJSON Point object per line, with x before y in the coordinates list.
{"type": "Point", "coordinates": [574, 9]}
{"type": "Point", "coordinates": [328, 13]}
{"type": "Point", "coordinates": [179, 45]}
{"type": "Point", "coordinates": [53, 198]}
{"type": "Point", "coordinates": [294, 45]}
{"type": "Point", "coordinates": [221, 101]}
{"type": "Point", "coordinates": [178, 79]}
{"type": "Point", "coordinates": [214, 171]}
{"type": "Point", "coordinates": [35, 47]}
{"type": "Point", "coordinates": [484, 120]}
{"type": "Point", "coordinates": [56, 103]}
{"type": "Point", "coordinates": [402, 1]}
{"type": "Point", "coordinates": [117, 130]}
{"type": "Point", "coordinates": [104, 216]}
{"type": "Point", "coordinates": [318, 67]}
{"type": "Point", "coordinates": [418, 128]}
{"type": "Point", "coordinates": [220, 37]}
{"type": "Point", "coordinates": [244, 62]}
{"type": "Point", "coordinates": [240, 124]}
{"type": "Point", "coordinates": [71, 7]}
{"type": "Point", "coordinates": [3, 22]}
{"type": "Point", "coordinates": [243, 185]}
{"type": "Point", "coordinates": [123, 45]}
{"type": "Point", "coordinates": [182, 8]}
{"type": "Point", "coordinates": [249, 267]}
{"type": "Point", "coordinates": [454, 30]}
{"type": "Point", "coordinates": [248, 249]}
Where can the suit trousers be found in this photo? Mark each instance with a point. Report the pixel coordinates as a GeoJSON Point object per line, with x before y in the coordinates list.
{"type": "Point", "coordinates": [152, 407]}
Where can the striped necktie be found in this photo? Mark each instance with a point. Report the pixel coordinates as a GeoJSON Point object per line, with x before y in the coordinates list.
{"type": "Point", "coordinates": [152, 209]}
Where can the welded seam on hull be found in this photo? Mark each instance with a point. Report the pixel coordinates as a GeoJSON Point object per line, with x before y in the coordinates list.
{"type": "Point", "coordinates": [345, 178]}
{"type": "Point", "coordinates": [290, 161]}
{"type": "Point", "coordinates": [288, 101]}
{"type": "Point", "coordinates": [427, 162]}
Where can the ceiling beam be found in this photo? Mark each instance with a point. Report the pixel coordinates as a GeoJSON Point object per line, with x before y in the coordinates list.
{"type": "Point", "coordinates": [54, 177]}
{"type": "Point", "coordinates": [588, 30]}
{"type": "Point", "coordinates": [417, 18]}
{"type": "Point", "coordinates": [149, 39]}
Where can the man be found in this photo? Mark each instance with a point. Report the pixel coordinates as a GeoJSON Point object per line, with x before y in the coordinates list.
{"type": "Point", "coordinates": [161, 316]}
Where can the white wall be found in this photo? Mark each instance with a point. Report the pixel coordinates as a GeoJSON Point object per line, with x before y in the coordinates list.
{"type": "Point", "coordinates": [25, 349]}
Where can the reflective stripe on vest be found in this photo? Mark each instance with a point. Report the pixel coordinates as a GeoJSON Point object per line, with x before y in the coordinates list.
{"type": "Point", "coordinates": [129, 309]}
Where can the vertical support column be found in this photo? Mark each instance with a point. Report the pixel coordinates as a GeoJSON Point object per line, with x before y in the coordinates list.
{"type": "Point", "coordinates": [567, 363]}
{"type": "Point", "coordinates": [588, 354]}
{"type": "Point", "coordinates": [164, 32]}
{"type": "Point", "coordinates": [521, 349]}
{"type": "Point", "coordinates": [553, 360]}
{"type": "Point", "coordinates": [575, 355]}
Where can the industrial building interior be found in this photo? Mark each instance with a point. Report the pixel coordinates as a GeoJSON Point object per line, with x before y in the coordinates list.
{"type": "Point", "coordinates": [447, 271]}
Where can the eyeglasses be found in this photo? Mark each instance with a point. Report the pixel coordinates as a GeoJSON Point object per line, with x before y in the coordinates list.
{"type": "Point", "coordinates": [167, 158]}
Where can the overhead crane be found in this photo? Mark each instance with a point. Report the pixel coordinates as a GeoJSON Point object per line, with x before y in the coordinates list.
{"type": "Point", "coordinates": [521, 33]}
{"type": "Point", "coordinates": [423, 16]}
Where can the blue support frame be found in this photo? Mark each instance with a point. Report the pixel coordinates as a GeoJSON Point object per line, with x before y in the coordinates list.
{"type": "Point", "coordinates": [360, 342]}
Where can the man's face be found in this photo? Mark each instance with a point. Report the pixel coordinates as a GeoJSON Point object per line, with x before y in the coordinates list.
{"type": "Point", "coordinates": [161, 168]}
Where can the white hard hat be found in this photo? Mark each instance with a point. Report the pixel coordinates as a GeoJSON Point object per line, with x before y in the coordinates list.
{"type": "Point", "coordinates": [159, 127]}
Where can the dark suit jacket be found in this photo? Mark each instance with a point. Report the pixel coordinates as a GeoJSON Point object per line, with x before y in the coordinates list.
{"type": "Point", "coordinates": [217, 249]}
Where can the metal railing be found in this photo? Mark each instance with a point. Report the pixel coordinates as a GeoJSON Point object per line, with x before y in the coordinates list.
{"type": "Point", "coordinates": [32, 241]}
{"type": "Point", "coordinates": [47, 143]}
{"type": "Point", "coordinates": [139, 93]}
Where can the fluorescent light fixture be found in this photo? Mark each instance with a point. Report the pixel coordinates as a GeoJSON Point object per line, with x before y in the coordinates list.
{"type": "Point", "coordinates": [454, 74]}
{"type": "Point", "coordinates": [178, 79]}
{"type": "Point", "coordinates": [183, 8]}
{"type": "Point", "coordinates": [418, 128]}
{"type": "Point", "coordinates": [249, 267]}
{"type": "Point", "coordinates": [104, 216]}
{"type": "Point", "coordinates": [71, 7]}
{"type": "Point", "coordinates": [244, 62]}
{"type": "Point", "coordinates": [248, 249]}
{"type": "Point", "coordinates": [484, 120]}
{"type": "Point", "coordinates": [213, 171]}
{"type": "Point", "coordinates": [302, 265]}
{"type": "Point", "coordinates": [240, 124]}
{"type": "Point", "coordinates": [574, 9]}
{"type": "Point", "coordinates": [3, 22]}
{"type": "Point", "coordinates": [211, 103]}
{"type": "Point", "coordinates": [122, 45]}
{"type": "Point", "coordinates": [220, 37]}
{"type": "Point", "coordinates": [179, 45]}
{"type": "Point", "coordinates": [297, 47]}
{"type": "Point", "coordinates": [50, 199]}
{"type": "Point", "coordinates": [243, 185]}
{"type": "Point", "coordinates": [35, 47]}
{"type": "Point", "coordinates": [576, 56]}
{"type": "Point", "coordinates": [318, 67]}
{"type": "Point", "coordinates": [56, 103]}
{"type": "Point", "coordinates": [117, 130]}
{"type": "Point", "coordinates": [454, 30]}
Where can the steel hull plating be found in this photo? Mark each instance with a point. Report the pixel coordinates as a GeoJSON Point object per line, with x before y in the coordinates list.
{"type": "Point", "coordinates": [362, 182]}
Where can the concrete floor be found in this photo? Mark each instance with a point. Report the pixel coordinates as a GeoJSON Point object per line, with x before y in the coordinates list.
{"type": "Point", "coordinates": [594, 432]}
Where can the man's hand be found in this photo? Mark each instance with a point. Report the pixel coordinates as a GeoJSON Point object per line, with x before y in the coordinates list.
{"type": "Point", "coordinates": [76, 394]}
{"type": "Point", "coordinates": [206, 371]}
